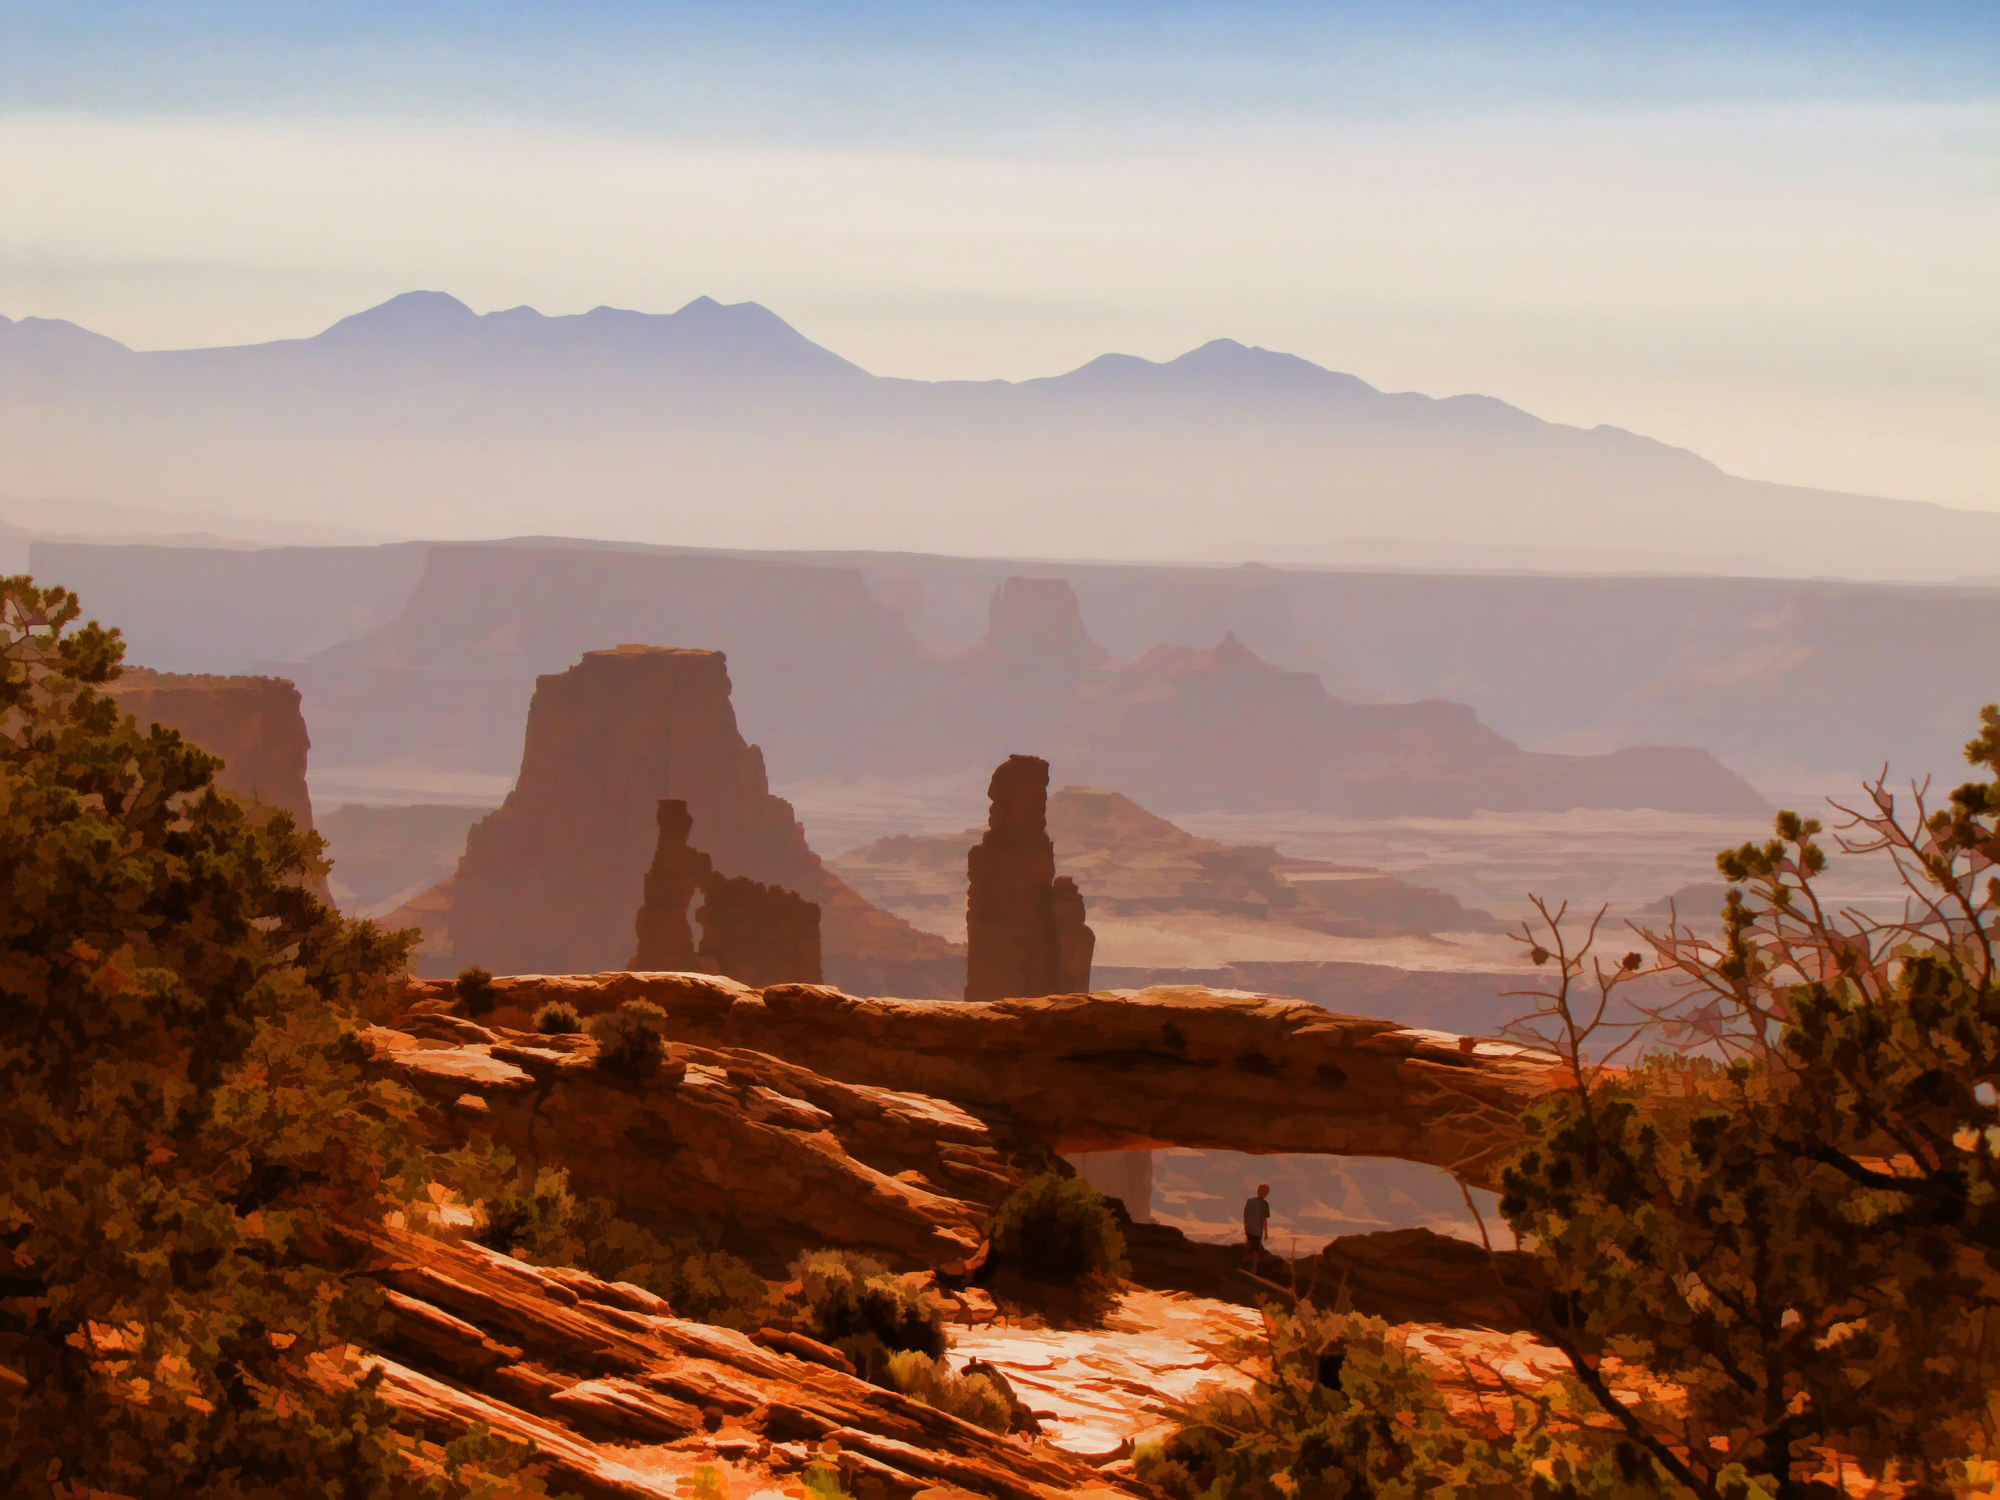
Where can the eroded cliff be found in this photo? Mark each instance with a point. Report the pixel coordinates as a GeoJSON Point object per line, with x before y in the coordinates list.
{"type": "Point", "coordinates": [550, 881]}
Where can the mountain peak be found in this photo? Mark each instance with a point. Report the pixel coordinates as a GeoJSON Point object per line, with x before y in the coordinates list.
{"type": "Point", "coordinates": [1219, 361]}
{"type": "Point", "coordinates": [408, 313]}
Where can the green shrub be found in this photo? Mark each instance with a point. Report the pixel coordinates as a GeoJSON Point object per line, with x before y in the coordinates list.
{"type": "Point", "coordinates": [628, 1040]}
{"type": "Point", "coordinates": [475, 992]}
{"type": "Point", "coordinates": [535, 1217]}
{"type": "Point", "coordinates": [1058, 1230]}
{"type": "Point", "coordinates": [1329, 1406]}
{"type": "Point", "coordinates": [528, 1211]}
{"type": "Point", "coordinates": [856, 1305]}
{"type": "Point", "coordinates": [558, 1018]}
{"type": "Point", "coordinates": [973, 1398]}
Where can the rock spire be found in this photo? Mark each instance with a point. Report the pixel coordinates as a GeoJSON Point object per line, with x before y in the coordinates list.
{"type": "Point", "coordinates": [666, 941]}
{"type": "Point", "coordinates": [753, 932]}
{"type": "Point", "coordinates": [1024, 924]}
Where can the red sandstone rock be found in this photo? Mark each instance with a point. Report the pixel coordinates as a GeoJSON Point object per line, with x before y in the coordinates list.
{"type": "Point", "coordinates": [253, 723]}
{"type": "Point", "coordinates": [1075, 942]}
{"type": "Point", "coordinates": [1024, 928]}
{"type": "Point", "coordinates": [550, 880]}
{"type": "Point", "coordinates": [778, 1158]}
{"type": "Point", "coordinates": [621, 1399]}
{"type": "Point", "coordinates": [1112, 1072]}
{"type": "Point", "coordinates": [666, 940]}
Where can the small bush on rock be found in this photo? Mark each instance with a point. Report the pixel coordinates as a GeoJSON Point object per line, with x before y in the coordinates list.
{"type": "Point", "coordinates": [475, 992]}
{"type": "Point", "coordinates": [628, 1040]}
{"type": "Point", "coordinates": [558, 1018]}
{"type": "Point", "coordinates": [973, 1398]}
{"type": "Point", "coordinates": [535, 1217]}
{"type": "Point", "coordinates": [857, 1306]}
{"type": "Point", "coordinates": [1058, 1230]}
{"type": "Point", "coordinates": [1332, 1405]}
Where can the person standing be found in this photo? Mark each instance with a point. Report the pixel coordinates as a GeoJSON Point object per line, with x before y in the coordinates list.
{"type": "Point", "coordinates": [1256, 1219]}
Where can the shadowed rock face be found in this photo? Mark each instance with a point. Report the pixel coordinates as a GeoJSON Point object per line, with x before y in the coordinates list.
{"type": "Point", "coordinates": [1025, 933]}
{"type": "Point", "coordinates": [551, 879]}
{"type": "Point", "coordinates": [253, 723]}
{"type": "Point", "coordinates": [776, 1157]}
{"type": "Point", "coordinates": [759, 934]}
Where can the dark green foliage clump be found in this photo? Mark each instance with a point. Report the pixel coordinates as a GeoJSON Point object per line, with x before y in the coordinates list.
{"type": "Point", "coordinates": [558, 1018]}
{"type": "Point", "coordinates": [475, 992]}
{"type": "Point", "coordinates": [628, 1040]}
{"type": "Point", "coordinates": [972, 1398]}
{"type": "Point", "coordinates": [1805, 1239]}
{"type": "Point", "coordinates": [535, 1216]}
{"type": "Point", "coordinates": [1058, 1230]}
{"type": "Point", "coordinates": [855, 1304]}
{"type": "Point", "coordinates": [182, 1093]}
{"type": "Point", "coordinates": [1331, 1407]}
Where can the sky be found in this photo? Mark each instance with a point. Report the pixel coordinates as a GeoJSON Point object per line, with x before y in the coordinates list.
{"type": "Point", "coordinates": [1765, 232]}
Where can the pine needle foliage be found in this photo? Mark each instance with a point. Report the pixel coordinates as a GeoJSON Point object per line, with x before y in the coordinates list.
{"type": "Point", "coordinates": [183, 1109]}
{"type": "Point", "coordinates": [1804, 1237]}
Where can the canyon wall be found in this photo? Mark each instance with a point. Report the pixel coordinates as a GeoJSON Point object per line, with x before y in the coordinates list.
{"type": "Point", "coordinates": [826, 647]}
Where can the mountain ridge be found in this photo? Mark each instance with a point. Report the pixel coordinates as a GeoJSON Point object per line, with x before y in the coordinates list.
{"type": "Point", "coordinates": [721, 425]}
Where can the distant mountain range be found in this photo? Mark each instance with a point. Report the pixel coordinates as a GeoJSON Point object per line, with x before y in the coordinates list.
{"type": "Point", "coordinates": [724, 426]}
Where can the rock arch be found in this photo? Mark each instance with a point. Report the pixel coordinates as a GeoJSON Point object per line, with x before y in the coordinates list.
{"type": "Point", "coordinates": [1118, 1071]}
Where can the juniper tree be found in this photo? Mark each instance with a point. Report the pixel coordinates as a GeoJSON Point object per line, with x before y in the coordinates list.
{"type": "Point", "coordinates": [181, 1107]}
{"type": "Point", "coordinates": [1800, 1227]}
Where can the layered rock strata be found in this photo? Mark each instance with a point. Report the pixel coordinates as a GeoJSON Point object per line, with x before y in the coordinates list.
{"type": "Point", "coordinates": [623, 1401]}
{"type": "Point", "coordinates": [777, 1157]}
{"type": "Point", "coordinates": [550, 880]}
{"type": "Point", "coordinates": [1024, 925]}
{"type": "Point", "coordinates": [1115, 1072]}
{"type": "Point", "coordinates": [253, 723]}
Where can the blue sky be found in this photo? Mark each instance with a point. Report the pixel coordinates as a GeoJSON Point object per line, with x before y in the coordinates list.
{"type": "Point", "coordinates": [770, 71]}
{"type": "Point", "coordinates": [1764, 231]}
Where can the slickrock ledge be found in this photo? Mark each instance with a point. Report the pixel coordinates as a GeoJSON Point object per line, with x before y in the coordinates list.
{"type": "Point", "coordinates": [785, 1159]}
{"type": "Point", "coordinates": [622, 1400]}
{"type": "Point", "coordinates": [1114, 1071]}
